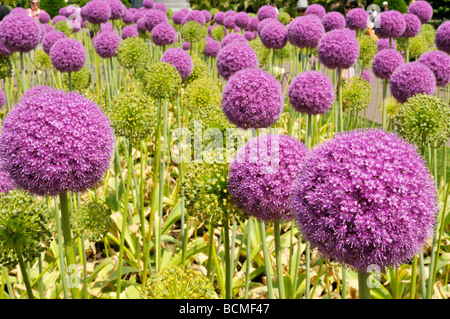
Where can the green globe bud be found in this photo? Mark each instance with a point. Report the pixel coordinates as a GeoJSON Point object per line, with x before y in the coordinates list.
{"type": "Point", "coordinates": [133, 53]}
{"type": "Point", "coordinates": [367, 49]}
{"type": "Point", "coordinates": [200, 70]}
{"type": "Point", "coordinates": [91, 221]}
{"type": "Point", "coordinates": [429, 33]}
{"type": "Point", "coordinates": [192, 32]}
{"type": "Point", "coordinates": [41, 60]}
{"type": "Point", "coordinates": [169, 13]}
{"type": "Point", "coordinates": [356, 94]}
{"type": "Point", "coordinates": [218, 32]}
{"type": "Point", "coordinates": [5, 67]}
{"type": "Point", "coordinates": [161, 80]}
{"type": "Point", "coordinates": [81, 80]}
{"type": "Point", "coordinates": [261, 51]}
{"type": "Point", "coordinates": [65, 27]}
{"type": "Point", "coordinates": [284, 17]}
{"type": "Point", "coordinates": [418, 45]}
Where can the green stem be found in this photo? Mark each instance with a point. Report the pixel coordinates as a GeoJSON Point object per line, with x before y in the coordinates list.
{"type": "Point", "coordinates": [267, 262]}
{"type": "Point", "coordinates": [412, 293]}
{"type": "Point", "coordinates": [364, 290]}
{"type": "Point", "coordinates": [344, 283]}
{"type": "Point", "coordinates": [384, 122]}
{"type": "Point", "coordinates": [308, 270]}
{"type": "Point", "coordinates": [226, 244]}
{"type": "Point", "coordinates": [26, 279]}
{"type": "Point", "coordinates": [248, 262]}
{"type": "Point", "coordinates": [278, 260]}
{"type": "Point", "coordinates": [69, 75]}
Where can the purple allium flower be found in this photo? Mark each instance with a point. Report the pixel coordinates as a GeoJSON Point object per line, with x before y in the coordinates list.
{"type": "Point", "coordinates": [439, 63]}
{"type": "Point", "coordinates": [97, 12]}
{"type": "Point", "coordinates": [148, 4]}
{"type": "Point", "coordinates": [253, 24]}
{"type": "Point", "coordinates": [6, 183]}
{"type": "Point", "coordinates": [68, 55]}
{"type": "Point", "coordinates": [128, 17]}
{"type": "Point", "coordinates": [46, 28]}
{"type": "Point", "coordinates": [317, 10]}
{"type": "Point", "coordinates": [262, 175]}
{"type": "Point", "coordinates": [106, 44]}
{"type": "Point", "coordinates": [163, 34]}
{"type": "Point", "coordinates": [443, 37]}
{"type": "Point", "coordinates": [153, 17]}
{"type": "Point", "coordinates": [422, 9]}
{"type": "Point", "coordinates": [218, 17]}
{"type": "Point", "coordinates": [207, 15]}
{"type": "Point", "coordinates": [235, 57]}
{"type": "Point", "coordinates": [386, 62]}
{"type": "Point", "coordinates": [195, 15]}
{"type": "Point", "coordinates": [37, 90]}
{"type": "Point", "coordinates": [4, 51]}
{"type": "Point", "coordinates": [44, 18]}
{"type": "Point", "coordinates": [106, 27]}
{"type": "Point", "coordinates": [274, 36]}
{"type": "Point", "coordinates": [19, 33]}
{"type": "Point", "coordinates": [62, 11]}
{"type": "Point", "coordinates": [56, 142]}
{"type": "Point", "coordinates": [178, 17]}
{"type": "Point", "coordinates": [338, 49]}
{"type": "Point", "coordinates": [265, 23]}
{"type": "Point", "coordinates": [311, 93]}
{"type": "Point", "coordinates": [58, 18]}
{"type": "Point", "coordinates": [228, 22]}
{"type": "Point", "coordinates": [306, 31]}
{"type": "Point", "coordinates": [249, 35]}
{"type": "Point", "coordinates": [366, 76]}
{"type": "Point", "coordinates": [410, 79]}
{"type": "Point", "coordinates": [252, 98]}
{"type": "Point", "coordinates": [212, 48]}
{"type": "Point", "coordinates": [138, 15]}
{"type": "Point", "coordinates": [384, 44]}
{"type": "Point", "coordinates": [365, 197]}
{"type": "Point", "coordinates": [267, 12]}
{"type": "Point", "coordinates": [50, 39]}
{"type": "Point", "coordinates": [390, 24]}
{"type": "Point", "coordinates": [180, 59]}
{"type": "Point", "coordinates": [130, 31]}
{"type": "Point", "coordinates": [357, 19]}
{"type": "Point", "coordinates": [18, 10]}
{"type": "Point", "coordinates": [160, 6]}
{"type": "Point", "coordinates": [333, 20]}
{"type": "Point", "coordinates": [242, 20]}
{"type": "Point", "coordinates": [233, 38]}
{"type": "Point", "coordinates": [2, 99]}
{"type": "Point", "coordinates": [132, 10]}
{"type": "Point", "coordinates": [141, 25]}
{"type": "Point", "coordinates": [413, 25]}
{"type": "Point", "coordinates": [186, 45]}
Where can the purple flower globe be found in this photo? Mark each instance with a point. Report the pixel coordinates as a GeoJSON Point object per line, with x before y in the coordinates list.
{"type": "Point", "coordinates": [232, 38]}
{"type": "Point", "coordinates": [253, 24]}
{"type": "Point", "coordinates": [311, 93]}
{"type": "Point", "coordinates": [45, 28]}
{"type": "Point", "coordinates": [252, 98]}
{"type": "Point", "coordinates": [56, 142]}
{"type": "Point", "coordinates": [106, 44]}
{"type": "Point", "coordinates": [58, 18]}
{"type": "Point", "coordinates": [2, 99]}
{"type": "Point", "coordinates": [390, 24]}
{"type": "Point", "coordinates": [164, 34]}
{"type": "Point", "coordinates": [218, 17]}
{"type": "Point", "coordinates": [153, 17]}
{"type": "Point", "coordinates": [160, 6]}
{"type": "Point", "coordinates": [317, 10]}
{"type": "Point", "coordinates": [180, 59]}
{"type": "Point", "coordinates": [249, 35]}
{"type": "Point", "coordinates": [443, 37]}
{"type": "Point", "coordinates": [207, 15]}
{"type": "Point", "coordinates": [186, 45]}
{"type": "Point", "coordinates": [68, 55]}
{"type": "Point", "coordinates": [235, 57]}
{"type": "Point", "coordinates": [410, 79]}
{"type": "Point", "coordinates": [148, 4]}
{"type": "Point", "coordinates": [333, 20]}
{"type": "Point", "coordinates": [384, 43]}
{"type": "Point", "coordinates": [274, 36]}
{"type": "Point", "coordinates": [230, 13]}
{"type": "Point", "coordinates": [37, 90]}
{"type": "Point", "coordinates": [412, 25]}
{"type": "Point", "coordinates": [44, 18]}
{"type": "Point", "coordinates": [265, 23]}
{"type": "Point", "coordinates": [422, 9]}
{"type": "Point", "coordinates": [196, 16]}
{"type": "Point", "coordinates": [19, 33]}
{"type": "Point", "coordinates": [306, 31]}
{"type": "Point", "coordinates": [228, 22]}
{"type": "Point", "coordinates": [128, 17]}
{"type": "Point", "coordinates": [338, 49]}
{"type": "Point", "coordinates": [242, 20]}
{"type": "Point", "coordinates": [212, 48]}
{"type": "Point", "coordinates": [357, 19]}
{"type": "Point", "coordinates": [366, 76]}
{"type": "Point", "coordinates": [97, 12]}
{"type": "Point", "coordinates": [18, 10]}
{"type": "Point", "coordinates": [178, 17]}
{"type": "Point", "coordinates": [6, 183]}
{"type": "Point", "coordinates": [365, 197]}
{"type": "Point", "coordinates": [439, 64]}
{"type": "Point", "coordinates": [141, 25]}
{"type": "Point", "coordinates": [386, 62]}
{"type": "Point", "coordinates": [118, 9]}
{"type": "Point", "coordinates": [130, 31]}
{"type": "Point", "coordinates": [106, 27]}
{"type": "Point", "coordinates": [138, 15]}
{"type": "Point", "coordinates": [267, 12]}
{"type": "Point", "coordinates": [4, 51]}
{"type": "Point", "coordinates": [262, 175]}
{"type": "Point", "coordinates": [50, 39]}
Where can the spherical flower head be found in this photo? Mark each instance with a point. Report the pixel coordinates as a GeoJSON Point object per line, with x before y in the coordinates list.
{"type": "Point", "coordinates": [91, 220]}
{"type": "Point", "coordinates": [200, 70]}
{"type": "Point", "coordinates": [163, 34]}
{"type": "Point", "coordinates": [161, 80]}
{"type": "Point", "coordinates": [68, 55]}
{"type": "Point", "coordinates": [2, 99]}
{"type": "Point", "coordinates": [412, 27]}
{"type": "Point", "coordinates": [37, 90]}
{"type": "Point", "coordinates": [306, 31]}
{"type": "Point", "coordinates": [80, 80]}
{"type": "Point", "coordinates": [44, 18]}
{"type": "Point", "coordinates": [429, 33]}
{"type": "Point", "coordinates": [249, 35]}
{"type": "Point", "coordinates": [45, 28]}
{"type": "Point", "coordinates": [97, 12]}
{"type": "Point", "coordinates": [317, 10]}
{"type": "Point", "coordinates": [130, 31]}
{"type": "Point", "coordinates": [233, 38]}
{"type": "Point", "coordinates": [262, 175]}
{"type": "Point", "coordinates": [439, 63]}
{"type": "Point", "coordinates": [367, 49]}
{"type": "Point", "coordinates": [253, 24]}
{"type": "Point", "coordinates": [180, 59]}
{"type": "Point", "coordinates": [160, 6]}
{"type": "Point", "coordinates": [235, 57]}
{"type": "Point", "coordinates": [24, 234]}
{"type": "Point", "coordinates": [118, 9]}
{"type": "Point", "coordinates": [18, 10]}
{"type": "Point", "coordinates": [106, 44]}
{"type": "Point", "coordinates": [192, 31]}
{"type": "Point", "coordinates": [284, 18]}
{"type": "Point", "coordinates": [6, 67]}
{"type": "Point", "coordinates": [357, 19]}
{"type": "Point", "coordinates": [128, 17]}
{"type": "Point", "coordinates": [385, 43]}
{"type": "Point", "coordinates": [410, 79]}
{"type": "Point", "coordinates": [212, 48]}
{"type": "Point", "coordinates": [207, 15]}
{"type": "Point", "coordinates": [218, 17]}
{"type": "Point", "coordinates": [356, 94]}
{"type": "Point", "coordinates": [19, 33]}
{"type": "Point", "coordinates": [274, 36]}
{"type": "Point", "coordinates": [228, 23]}
{"type": "Point", "coordinates": [6, 183]}
{"type": "Point", "coordinates": [41, 60]}
{"type": "Point", "coordinates": [390, 24]}
{"type": "Point", "coordinates": [4, 51]}
{"type": "Point", "coordinates": [338, 49]}
{"type": "Point", "coordinates": [242, 20]}
{"type": "Point", "coordinates": [333, 20]}
{"type": "Point", "coordinates": [148, 4]}
{"type": "Point", "coordinates": [132, 115]}
{"type": "Point", "coordinates": [71, 146]}
{"type": "Point", "coordinates": [50, 39]}
{"type": "Point", "coordinates": [262, 53]}
{"type": "Point", "coordinates": [385, 63]}
{"type": "Point", "coordinates": [201, 93]}
{"type": "Point", "coordinates": [365, 197]}
{"type": "Point", "coordinates": [265, 23]}
{"type": "Point", "coordinates": [178, 17]}
{"type": "Point", "coordinates": [138, 15]}
{"type": "Point", "coordinates": [195, 15]}
{"type": "Point", "coordinates": [443, 37]}
{"type": "Point", "coordinates": [153, 17]}
{"type": "Point", "coordinates": [422, 9]}
{"type": "Point", "coordinates": [186, 45]}
{"type": "Point", "coordinates": [218, 32]}
{"type": "Point", "coordinates": [58, 18]}
{"type": "Point", "coordinates": [64, 27]}
{"type": "Point", "coordinates": [367, 76]}
{"type": "Point", "coordinates": [267, 12]}
{"type": "Point", "coordinates": [133, 53]}
{"type": "Point", "coordinates": [311, 93]}
{"type": "Point", "coordinates": [252, 98]}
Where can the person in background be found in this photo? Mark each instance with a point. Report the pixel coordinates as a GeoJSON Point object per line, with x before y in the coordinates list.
{"type": "Point", "coordinates": [4, 11]}
{"type": "Point", "coordinates": [385, 6]}
{"type": "Point", "coordinates": [34, 10]}
{"type": "Point", "coordinates": [301, 7]}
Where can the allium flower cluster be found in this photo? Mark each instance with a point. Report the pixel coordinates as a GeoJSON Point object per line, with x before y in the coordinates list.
{"type": "Point", "coordinates": [195, 15]}
{"type": "Point", "coordinates": [160, 6]}
{"type": "Point", "coordinates": [235, 57]}
{"type": "Point", "coordinates": [386, 43]}
{"type": "Point", "coordinates": [4, 51]}
{"type": "Point", "coordinates": [80, 80]}
{"type": "Point", "coordinates": [253, 24]}
{"type": "Point", "coordinates": [317, 10]}
{"type": "Point", "coordinates": [305, 32]}
{"type": "Point", "coordinates": [207, 15]}
{"type": "Point", "coordinates": [390, 24]}
{"type": "Point", "coordinates": [262, 175]}
{"type": "Point", "coordinates": [153, 17]}
{"type": "Point", "coordinates": [201, 93]}
{"type": "Point", "coordinates": [178, 17]}
{"type": "Point", "coordinates": [148, 4]}
{"type": "Point", "coordinates": [357, 19]}
{"type": "Point", "coordinates": [274, 36]}
{"type": "Point", "coordinates": [249, 35]}
{"type": "Point", "coordinates": [333, 20]}
{"type": "Point", "coordinates": [385, 63]}
{"type": "Point", "coordinates": [242, 20]}
{"type": "Point", "coordinates": [218, 32]}
{"type": "Point", "coordinates": [37, 90]}
{"type": "Point", "coordinates": [252, 98]}
{"type": "Point", "coordinates": [163, 34]}
{"type": "Point", "coordinates": [133, 53]}
{"type": "Point", "coordinates": [443, 37]}
{"type": "Point", "coordinates": [439, 63]}
{"type": "Point", "coordinates": [262, 53]}
{"type": "Point", "coordinates": [41, 60]}
{"type": "Point", "coordinates": [180, 59]}
{"type": "Point", "coordinates": [130, 31]}
{"type": "Point", "coordinates": [192, 31]}
{"type": "Point", "coordinates": [6, 183]}
{"type": "Point", "coordinates": [367, 49]}
{"type": "Point", "coordinates": [68, 55]}
{"type": "Point", "coordinates": [44, 18]}
{"type": "Point", "coordinates": [366, 76]}
{"type": "Point", "coordinates": [311, 93]}
{"type": "Point", "coordinates": [58, 18]}
{"type": "Point", "coordinates": [5, 67]}
{"type": "Point", "coordinates": [212, 48]}
{"type": "Point", "coordinates": [233, 38]}
{"type": "Point", "coordinates": [200, 70]}
{"type": "Point", "coordinates": [118, 9]}
{"type": "Point", "coordinates": [56, 142]}
{"type": "Point", "coordinates": [128, 17]}
{"type": "Point", "coordinates": [284, 18]}
{"type": "Point", "coordinates": [266, 22]}
{"type": "Point", "coordinates": [106, 44]}
{"type": "Point", "coordinates": [161, 80]}
{"type": "Point", "coordinates": [422, 9]}
{"type": "Point", "coordinates": [338, 49]}
{"type": "Point", "coordinates": [19, 33]}
{"type": "Point", "coordinates": [97, 12]}
{"type": "Point", "coordinates": [228, 23]}
{"type": "Point", "coordinates": [267, 12]}
{"type": "Point", "coordinates": [50, 39]}
{"type": "Point", "coordinates": [356, 94]}
{"type": "Point", "coordinates": [413, 25]}
{"type": "Point", "coordinates": [218, 17]}
{"type": "Point", "coordinates": [91, 221]}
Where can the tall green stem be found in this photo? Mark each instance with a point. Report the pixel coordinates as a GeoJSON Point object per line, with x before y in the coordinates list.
{"type": "Point", "coordinates": [26, 279]}
{"type": "Point", "coordinates": [267, 263]}
{"type": "Point", "coordinates": [226, 244]}
{"type": "Point", "coordinates": [384, 121]}
{"type": "Point", "coordinates": [364, 290]}
{"type": "Point", "coordinates": [278, 260]}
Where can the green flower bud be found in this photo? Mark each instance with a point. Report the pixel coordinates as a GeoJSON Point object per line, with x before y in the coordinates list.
{"type": "Point", "coordinates": [41, 60]}
{"type": "Point", "coordinates": [91, 221]}
{"type": "Point", "coordinates": [218, 32]}
{"type": "Point", "coordinates": [356, 94]}
{"type": "Point", "coordinates": [192, 32]}
{"type": "Point", "coordinates": [161, 80]}
{"type": "Point", "coordinates": [133, 53]}
{"type": "Point", "coordinates": [81, 80]}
